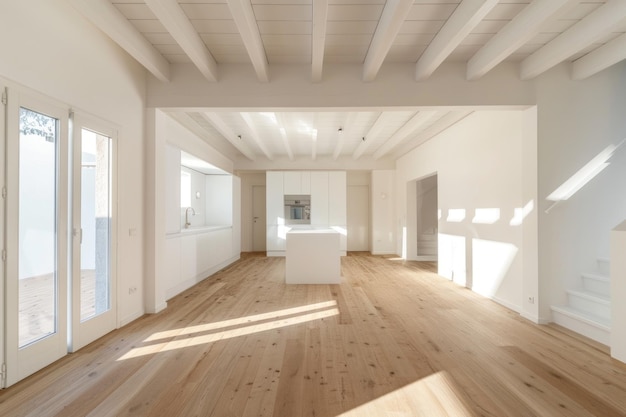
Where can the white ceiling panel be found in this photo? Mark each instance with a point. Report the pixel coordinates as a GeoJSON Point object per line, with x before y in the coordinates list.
{"type": "Point", "coordinates": [351, 27]}
{"type": "Point", "coordinates": [422, 26]}
{"type": "Point", "coordinates": [282, 12]}
{"type": "Point", "coordinates": [362, 39]}
{"type": "Point", "coordinates": [431, 11]}
{"type": "Point", "coordinates": [207, 11]}
{"type": "Point", "coordinates": [354, 12]}
{"type": "Point", "coordinates": [277, 27]}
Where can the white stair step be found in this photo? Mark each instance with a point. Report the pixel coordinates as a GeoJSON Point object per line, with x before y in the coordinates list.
{"type": "Point", "coordinates": [597, 283]}
{"type": "Point", "coordinates": [427, 251]}
{"type": "Point", "coordinates": [591, 303]}
{"type": "Point", "coordinates": [427, 237]}
{"type": "Point", "coordinates": [604, 266]}
{"type": "Point", "coordinates": [593, 327]}
{"type": "Point", "coordinates": [427, 243]}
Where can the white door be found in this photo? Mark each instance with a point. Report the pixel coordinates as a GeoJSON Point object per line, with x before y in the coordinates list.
{"type": "Point", "coordinates": [358, 214]}
{"type": "Point", "coordinates": [37, 234]}
{"type": "Point", "coordinates": [93, 255]}
{"type": "Point", "coordinates": [258, 219]}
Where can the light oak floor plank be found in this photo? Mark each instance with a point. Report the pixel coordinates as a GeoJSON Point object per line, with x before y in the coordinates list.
{"type": "Point", "coordinates": [393, 339]}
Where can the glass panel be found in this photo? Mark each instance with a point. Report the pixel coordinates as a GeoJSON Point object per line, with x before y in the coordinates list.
{"type": "Point", "coordinates": [37, 226]}
{"type": "Point", "coordinates": [95, 215]}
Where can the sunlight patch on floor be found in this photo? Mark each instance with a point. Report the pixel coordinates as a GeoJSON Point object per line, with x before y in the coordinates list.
{"type": "Point", "coordinates": [239, 321]}
{"type": "Point", "coordinates": [242, 330]}
{"type": "Point", "coordinates": [434, 395]}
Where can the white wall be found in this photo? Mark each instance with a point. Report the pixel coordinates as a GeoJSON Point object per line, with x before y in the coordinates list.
{"type": "Point", "coordinates": [173, 263]}
{"type": "Point", "coordinates": [576, 121]}
{"type": "Point", "coordinates": [479, 166]}
{"type": "Point", "coordinates": [383, 216]}
{"type": "Point", "coordinates": [218, 199]}
{"type": "Point", "coordinates": [50, 48]}
{"type": "Point", "coordinates": [172, 189]}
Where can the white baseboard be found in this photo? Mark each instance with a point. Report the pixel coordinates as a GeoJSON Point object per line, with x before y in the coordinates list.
{"type": "Point", "coordinates": [129, 319]}
{"type": "Point", "coordinates": [174, 291]}
{"type": "Point", "coordinates": [507, 304]}
{"type": "Point", "coordinates": [276, 253]}
{"type": "Point", "coordinates": [533, 318]}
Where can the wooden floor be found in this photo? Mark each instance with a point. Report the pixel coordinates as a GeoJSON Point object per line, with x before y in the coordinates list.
{"type": "Point", "coordinates": [393, 339]}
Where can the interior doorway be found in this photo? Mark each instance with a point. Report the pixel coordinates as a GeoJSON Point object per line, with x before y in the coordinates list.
{"type": "Point", "coordinates": [358, 206]}
{"type": "Point", "coordinates": [258, 218]}
{"type": "Point", "coordinates": [423, 219]}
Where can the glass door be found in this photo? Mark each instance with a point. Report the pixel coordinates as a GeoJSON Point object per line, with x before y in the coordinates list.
{"type": "Point", "coordinates": [36, 323]}
{"type": "Point", "coordinates": [93, 286]}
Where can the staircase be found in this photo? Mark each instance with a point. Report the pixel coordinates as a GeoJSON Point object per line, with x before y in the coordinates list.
{"type": "Point", "coordinates": [588, 308]}
{"type": "Point", "coordinates": [427, 245]}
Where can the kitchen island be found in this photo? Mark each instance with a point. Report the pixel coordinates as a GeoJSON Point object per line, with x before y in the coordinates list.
{"type": "Point", "coordinates": [313, 257]}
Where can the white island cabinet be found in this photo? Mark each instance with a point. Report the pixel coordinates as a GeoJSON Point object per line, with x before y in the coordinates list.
{"type": "Point", "coordinates": [313, 257]}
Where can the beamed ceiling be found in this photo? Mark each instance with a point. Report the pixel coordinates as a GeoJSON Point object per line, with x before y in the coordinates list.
{"type": "Point", "coordinates": [535, 35]}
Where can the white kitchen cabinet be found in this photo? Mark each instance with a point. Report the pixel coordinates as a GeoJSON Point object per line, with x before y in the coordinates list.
{"type": "Point", "coordinates": [276, 236]}
{"type": "Point", "coordinates": [297, 182]}
{"type": "Point", "coordinates": [337, 216]}
{"type": "Point", "coordinates": [337, 198]}
{"type": "Point", "coordinates": [319, 198]}
{"type": "Point", "coordinates": [274, 199]}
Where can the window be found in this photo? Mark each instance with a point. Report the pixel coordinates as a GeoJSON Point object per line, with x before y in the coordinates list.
{"type": "Point", "coordinates": [185, 189]}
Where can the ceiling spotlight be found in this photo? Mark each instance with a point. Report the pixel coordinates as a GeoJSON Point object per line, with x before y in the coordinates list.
{"type": "Point", "coordinates": [239, 136]}
{"type": "Point", "coordinates": [363, 138]}
{"type": "Point", "coordinates": [340, 130]}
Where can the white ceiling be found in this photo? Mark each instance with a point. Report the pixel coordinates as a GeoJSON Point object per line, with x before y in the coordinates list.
{"type": "Point", "coordinates": [535, 34]}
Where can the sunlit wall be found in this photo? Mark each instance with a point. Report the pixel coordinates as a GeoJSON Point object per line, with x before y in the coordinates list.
{"type": "Point", "coordinates": [479, 164]}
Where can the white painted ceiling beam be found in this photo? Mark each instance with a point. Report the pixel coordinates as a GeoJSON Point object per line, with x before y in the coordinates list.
{"type": "Point", "coordinates": [178, 25]}
{"type": "Point", "coordinates": [416, 122]}
{"type": "Point", "coordinates": [438, 126]}
{"type": "Point", "coordinates": [600, 59]}
{"type": "Point", "coordinates": [345, 131]}
{"type": "Point", "coordinates": [376, 128]}
{"type": "Point", "coordinates": [394, 14]}
{"type": "Point", "coordinates": [464, 19]}
{"type": "Point", "coordinates": [591, 28]}
{"type": "Point", "coordinates": [516, 33]}
{"type": "Point", "coordinates": [249, 30]}
{"type": "Point", "coordinates": [255, 136]}
{"type": "Point", "coordinates": [318, 40]}
{"type": "Point", "coordinates": [229, 135]}
{"type": "Point", "coordinates": [314, 144]}
{"type": "Point", "coordinates": [112, 22]}
{"type": "Point", "coordinates": [283, 134]}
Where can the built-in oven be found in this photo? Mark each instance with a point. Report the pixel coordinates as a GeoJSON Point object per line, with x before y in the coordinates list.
{"type": "Point", "coordinates": [298, 209]}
